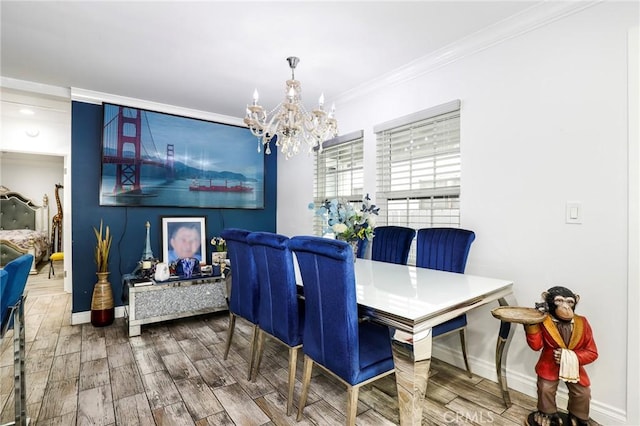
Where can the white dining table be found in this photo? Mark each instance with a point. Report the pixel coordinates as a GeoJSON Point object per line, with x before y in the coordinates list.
{"type": "Point", "coordinates": [412, 300]}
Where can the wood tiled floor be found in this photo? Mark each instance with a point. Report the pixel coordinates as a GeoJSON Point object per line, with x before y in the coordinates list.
{"type": "Point", "coordinates": [174, 374]}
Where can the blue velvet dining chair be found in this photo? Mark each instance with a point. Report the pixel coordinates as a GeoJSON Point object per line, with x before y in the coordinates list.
{"type": "Point", "coordinates": [4, 279]}
{"type": "Point", "coordinates": [280, 313]}
{"type": "Point", "coordinates": [392, 244]}
{"type": "Point", "coordinates": [356, 352]}
{"type": "Point", "coordinates": [12, 299]}
{"type": "Point", "coordinates": [446, 249]}
{"type": "Point", "coordinates": [17, 273]}
{"type": "Point", "coordinates": [244, 297]}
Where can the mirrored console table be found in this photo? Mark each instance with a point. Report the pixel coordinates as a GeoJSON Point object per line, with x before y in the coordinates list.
{"type": "Point", "coordinates": [175, 298]}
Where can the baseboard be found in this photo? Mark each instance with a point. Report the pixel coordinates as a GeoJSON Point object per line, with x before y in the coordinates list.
{"type": "Point", "coordinates": [600, 412]}
{"type": "Point", "coordinates": [85, 316]}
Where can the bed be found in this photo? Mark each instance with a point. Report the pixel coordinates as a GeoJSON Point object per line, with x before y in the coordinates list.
{"type": "Point", "coordinates": [24, 228]}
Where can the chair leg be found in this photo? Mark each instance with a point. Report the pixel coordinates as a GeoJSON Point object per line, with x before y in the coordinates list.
{"type": "Point", "coordinates": [293, 360]}
{"type": "Point", "coordinates": [19, 372]}
{"type": "Point", "coordinates": [254, 339]}
{"type": "Point", "coordinates": [51, 269]}
{"type": "Point", "coordinates": [352, 404]}
{"type": "Point", "coordinates": [464, 352]}
{"type": "Point", "coordinates": [306, 379]}
{"type": "Point", "coordinates": [232, 326]}
{"type": "Point", "coordinates": [258, 356]}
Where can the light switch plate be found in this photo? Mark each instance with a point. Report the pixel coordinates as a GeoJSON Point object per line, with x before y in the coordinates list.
{"type": "Point", "coordinates": [574, 212]}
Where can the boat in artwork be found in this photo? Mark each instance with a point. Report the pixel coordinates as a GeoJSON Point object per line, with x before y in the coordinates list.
{"type": "Point", "coordinates": [197, 186]}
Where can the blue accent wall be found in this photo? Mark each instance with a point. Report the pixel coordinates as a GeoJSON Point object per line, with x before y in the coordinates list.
{"type": "Point", "coordinates": [127, 224]}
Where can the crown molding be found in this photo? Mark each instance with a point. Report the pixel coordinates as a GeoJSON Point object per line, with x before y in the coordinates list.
{"type": "Point", "coordinates": [93, 97]}
{"type": "Point", "coordinates": [33, 87]}
{"type": "Point", "coordinates": [514, 26]}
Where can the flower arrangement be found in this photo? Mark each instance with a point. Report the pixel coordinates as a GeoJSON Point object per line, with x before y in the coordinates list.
{"type": "Point", "coordinates": [103, 246]}
{"type": "Point", "coordinates": [347, 223]}
{"type": "Point", "coordinates": [219, 244]}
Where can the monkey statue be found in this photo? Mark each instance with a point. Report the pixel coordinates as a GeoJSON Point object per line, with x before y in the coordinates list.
{"type": "Point", "coordinates": [567, 345]}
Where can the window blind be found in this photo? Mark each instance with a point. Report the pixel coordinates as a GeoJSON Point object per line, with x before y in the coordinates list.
{"type": "Point", "coordinates": [418, 169]}
{"type": "Point", "coordinates": [339, 172]}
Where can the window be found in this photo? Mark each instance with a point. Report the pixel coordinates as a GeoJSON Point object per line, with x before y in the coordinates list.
{"type": "Point", "coordinates": [339, 172]}
{"type": "Point", "coordinates": [418, 169]}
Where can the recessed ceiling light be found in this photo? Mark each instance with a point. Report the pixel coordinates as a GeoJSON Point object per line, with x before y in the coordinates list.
{"type": "Point", "coordinates": [27, 111]}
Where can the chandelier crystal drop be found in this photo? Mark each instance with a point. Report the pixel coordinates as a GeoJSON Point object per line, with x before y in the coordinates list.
{"type": "Point", "coordinates": [289, 122]}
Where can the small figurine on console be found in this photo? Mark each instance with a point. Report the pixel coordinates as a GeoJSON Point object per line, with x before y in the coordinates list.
{"type": "Point", "coordinates": [567, 345]}
{"type": "Point", "coordinates": [162, 272]}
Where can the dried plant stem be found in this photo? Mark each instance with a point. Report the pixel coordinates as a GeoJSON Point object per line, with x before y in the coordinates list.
{"type": "Point", "coordinates": [103, 246]}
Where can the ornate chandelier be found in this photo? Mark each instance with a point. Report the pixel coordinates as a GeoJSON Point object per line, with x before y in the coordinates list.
{"type": "Point", "coordinates": [289, 122]}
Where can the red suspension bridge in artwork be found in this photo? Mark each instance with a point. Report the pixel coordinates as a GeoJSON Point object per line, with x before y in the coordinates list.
{"type": "Point", "coordinates": [123, 146]}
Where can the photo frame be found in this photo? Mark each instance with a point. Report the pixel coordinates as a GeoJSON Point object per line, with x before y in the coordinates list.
{"type": "Point", "coordinates": [183, 236]}
{"type": "Point", "coordinates": [155, 159]}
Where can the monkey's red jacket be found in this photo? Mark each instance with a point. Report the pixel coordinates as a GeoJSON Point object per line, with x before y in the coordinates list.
{"type": "Point", "coordinates": [546, 336]}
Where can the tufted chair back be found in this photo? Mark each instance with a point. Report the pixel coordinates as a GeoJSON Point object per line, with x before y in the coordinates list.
{"type": "Point", "coordinates": [392, 244]}
{"type": "Point", "coordinates": [444, 249]}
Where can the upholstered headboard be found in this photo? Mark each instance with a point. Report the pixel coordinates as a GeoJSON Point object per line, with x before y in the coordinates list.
{"type": "Point", "coordinates": [17, 211]}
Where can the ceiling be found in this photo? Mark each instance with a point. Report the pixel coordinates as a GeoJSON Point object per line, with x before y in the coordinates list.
{"type": "Point", "coordinates": [210, 55]}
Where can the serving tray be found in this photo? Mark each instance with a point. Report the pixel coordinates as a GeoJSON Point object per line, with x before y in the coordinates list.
{"type": "Point", "coordinates": [518, 314]}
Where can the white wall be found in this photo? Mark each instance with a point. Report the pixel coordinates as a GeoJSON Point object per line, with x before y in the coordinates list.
{"type": "Point", "coordinates": [543, 122]}
{"type": "Point", "coordinates": [633, 354]}
{"type": "Point", "coordinates": [33, 175]}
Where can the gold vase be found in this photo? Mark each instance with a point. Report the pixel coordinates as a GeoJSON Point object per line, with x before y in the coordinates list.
{"type": "Point", "coordinates": [102, 308]}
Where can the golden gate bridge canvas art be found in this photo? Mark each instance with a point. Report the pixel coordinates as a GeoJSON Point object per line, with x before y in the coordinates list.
{"type": "Point", "coordinates": [157, 159]}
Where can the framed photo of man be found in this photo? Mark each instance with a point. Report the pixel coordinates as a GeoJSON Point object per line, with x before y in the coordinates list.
{"type": "Point", "coordinates": [183, 237]}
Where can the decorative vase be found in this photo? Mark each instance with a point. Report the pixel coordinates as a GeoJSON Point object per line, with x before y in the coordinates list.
{"type": "Point", "coordinates": [354, 247]}
{"type": "Point", "coordinates": [352, 243]}
{"type": "Point", "coordinates": [102, 308]}
{"type": "Point", "coordinates": [218, 257]}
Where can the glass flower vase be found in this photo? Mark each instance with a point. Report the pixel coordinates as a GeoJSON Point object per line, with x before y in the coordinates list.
{"type": "Point", "coordinates": [218, 257]}
{"type": "Point", "coordinates": [354, 247]}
